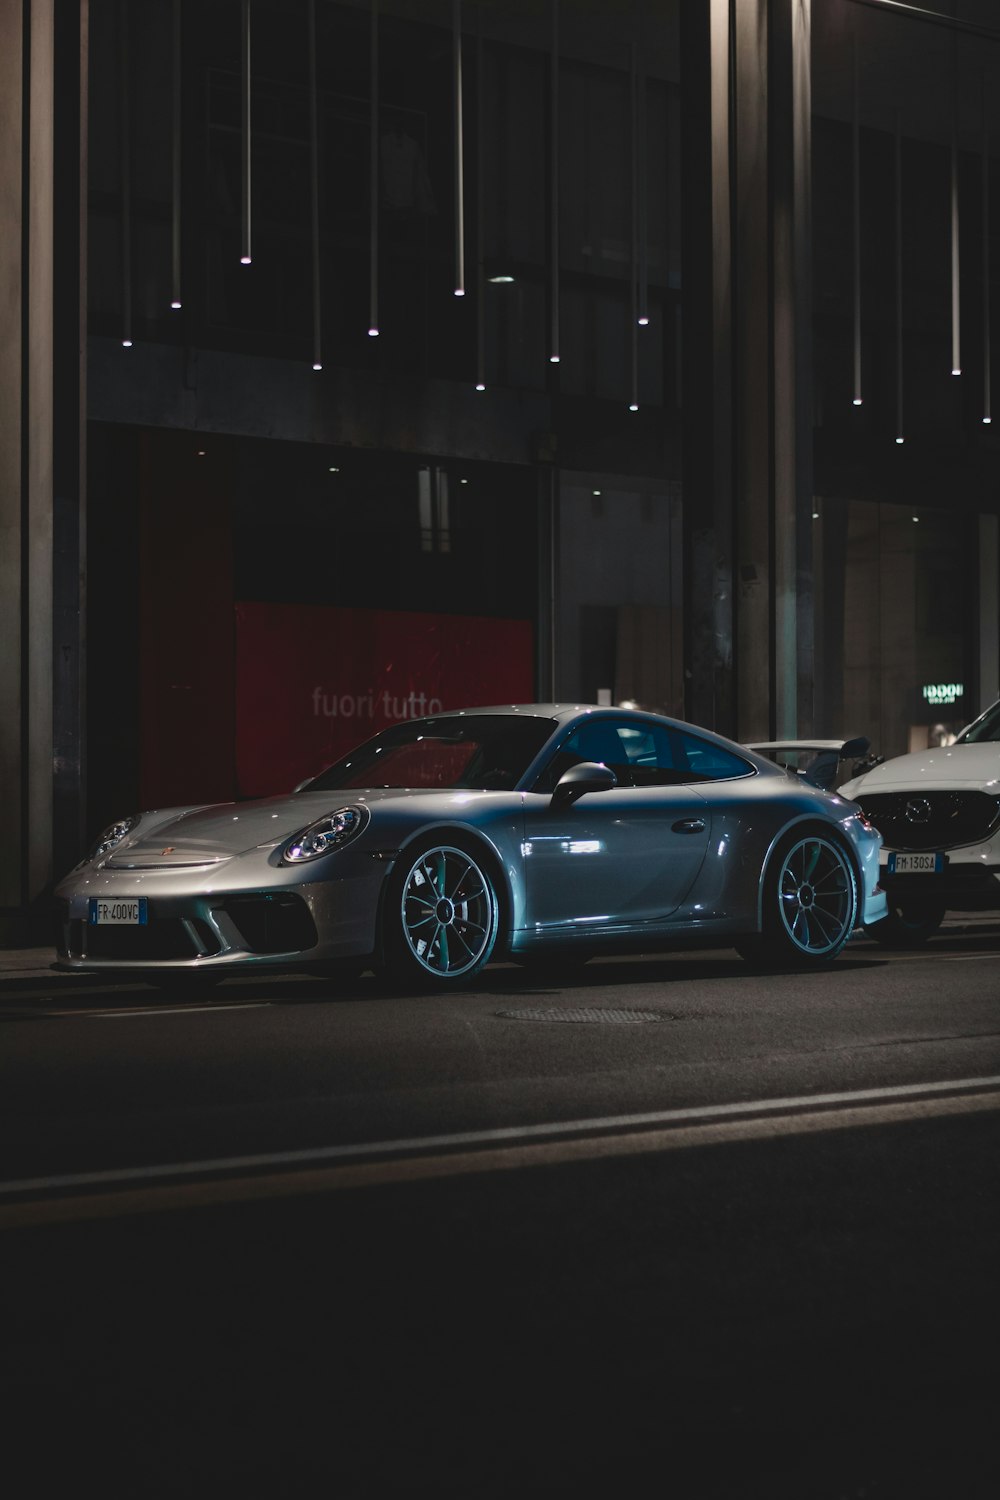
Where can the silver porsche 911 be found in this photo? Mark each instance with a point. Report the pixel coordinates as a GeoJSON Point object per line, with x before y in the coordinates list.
{"type": "Point", "coordinates": [537, 833]}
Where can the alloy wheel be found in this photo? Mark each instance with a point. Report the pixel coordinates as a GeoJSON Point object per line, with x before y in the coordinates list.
{"type": "Point", "coordinates": [816, 896]}
{"type": "Point", "coordinates": [449, 912]}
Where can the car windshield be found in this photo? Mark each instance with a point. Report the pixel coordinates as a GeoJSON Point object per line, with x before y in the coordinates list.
{"type": "Point", "coordinates": [986, 727]}
{"type": "Point", "coordinates": [477, 752]}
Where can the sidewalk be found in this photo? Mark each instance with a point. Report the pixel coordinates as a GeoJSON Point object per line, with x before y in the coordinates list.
{"type": "Point", "coordinates": [25, 961]}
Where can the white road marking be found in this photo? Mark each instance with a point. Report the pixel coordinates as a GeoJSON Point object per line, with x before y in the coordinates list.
{"type": "Point", "coordinates": [171, 1010]}
{"type": "Point", "coordinates": [165, 1196]}
{"type": "Point", "coordinates": [151, 1010]}
{"type": "Point", "coordinates": [477, 1151]}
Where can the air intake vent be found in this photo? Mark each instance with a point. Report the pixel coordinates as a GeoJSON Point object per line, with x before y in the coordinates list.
{"type": "Point", "coordinates": [274, 922]}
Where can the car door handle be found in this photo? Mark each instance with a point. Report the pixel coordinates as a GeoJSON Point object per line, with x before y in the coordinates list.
{"type": "Point", "coordinates": [690, 825]}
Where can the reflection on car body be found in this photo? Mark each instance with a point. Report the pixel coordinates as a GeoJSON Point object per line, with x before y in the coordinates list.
{"type": "Point", "coordinates": [526, 832]}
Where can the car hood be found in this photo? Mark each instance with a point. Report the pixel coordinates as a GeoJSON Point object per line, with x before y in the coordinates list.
{"type": "Point", "coordinates": [952, 765]}
{"type": "Point", "coordinates": [209, 835]}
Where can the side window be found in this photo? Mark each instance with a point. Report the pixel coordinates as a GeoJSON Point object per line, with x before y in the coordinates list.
{"type": "Point", "coordinates": [639, 753]}
{"type": "Point", "coordinates": [595, 739]}
{"type": "Point", "coordinates": [700, 760]}
{"type": "Point", "coordinates": [651, 755]}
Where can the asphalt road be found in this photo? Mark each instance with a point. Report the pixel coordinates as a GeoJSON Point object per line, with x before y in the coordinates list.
{"type": "Point", "coordinates": [674, 1229]}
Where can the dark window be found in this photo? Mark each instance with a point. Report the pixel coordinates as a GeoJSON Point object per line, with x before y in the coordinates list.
{"type": "Point", "coordinates": [701, 760]}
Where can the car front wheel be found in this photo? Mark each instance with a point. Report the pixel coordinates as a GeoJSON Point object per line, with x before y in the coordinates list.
{"type": "Point", "coordinates": [810, 904]}
{"type": "Point", "coordinates": [441, 916]}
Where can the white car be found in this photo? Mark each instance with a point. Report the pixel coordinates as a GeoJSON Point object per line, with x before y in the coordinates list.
{"type": "Point", "coordinates": [938, 812]}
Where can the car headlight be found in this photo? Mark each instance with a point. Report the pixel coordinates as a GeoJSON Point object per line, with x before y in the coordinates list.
{"type": "Point", "coordinates": [112, 836]}
{"type": "Point", "coordinates": [325, 834]}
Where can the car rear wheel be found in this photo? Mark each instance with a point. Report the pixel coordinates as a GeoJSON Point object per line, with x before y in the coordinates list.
{"type": "Point", "coordinates": [909, 923]}
{"type": "Point", "coordinates": [810, 904]}
{"type": "Point", "coordinates": [441, 917]}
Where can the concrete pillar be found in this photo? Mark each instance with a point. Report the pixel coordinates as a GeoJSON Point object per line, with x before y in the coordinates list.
{"type": "Point", "coordinates": [746, 396]}
{"type": "Point", "coordinates": [26, 419]}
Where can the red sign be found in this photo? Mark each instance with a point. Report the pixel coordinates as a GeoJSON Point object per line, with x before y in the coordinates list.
{"type": "Point", "coordinates": [313, 681]}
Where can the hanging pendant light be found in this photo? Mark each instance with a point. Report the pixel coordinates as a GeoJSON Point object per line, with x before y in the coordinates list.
{"type": "Point", "coordinates": [125, 159]}
{"type": "Point", "coordinates": [856, 204]}
{"type": "Point", "coordinates": [314, 191]}
{"type": "Point", "coordinates": [175, 161]}
{"type": "Point", "coordinates": [245, 253]}
{"type": "Point", "coordinates": [456, 55]}
{"type": "Point", "coordinates": [554, 186]}
{"type": "Point", "coordinates": [899, 281]}
{"type": "Point", "coordinates": [987, 415]}
{"type": "Point", "coordinates": [373, 329]}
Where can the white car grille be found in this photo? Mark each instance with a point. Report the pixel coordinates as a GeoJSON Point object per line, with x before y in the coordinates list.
{"type": "Point", "coordinates": [932, 819]}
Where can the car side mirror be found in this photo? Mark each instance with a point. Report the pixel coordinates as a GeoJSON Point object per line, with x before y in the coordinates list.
{"type": "Point", "coordinates": [585, 776]}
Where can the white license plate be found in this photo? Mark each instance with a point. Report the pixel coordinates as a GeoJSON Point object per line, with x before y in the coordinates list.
{"type": "Point", "coordinates": [915, 864]}
{"type": "Point", "coordinates": [118, 913]}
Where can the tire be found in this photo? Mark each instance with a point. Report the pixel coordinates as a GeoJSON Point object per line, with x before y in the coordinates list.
{"type": "Point", "coordinates": [909, 923]}
{"type": "Point", "coordinates": [810, 903]}
{"type": "Point", "coordinates": [441, 915]}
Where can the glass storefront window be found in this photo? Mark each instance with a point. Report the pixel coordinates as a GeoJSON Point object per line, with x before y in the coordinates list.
{"type": "Point", "coordinates": [896, 592]}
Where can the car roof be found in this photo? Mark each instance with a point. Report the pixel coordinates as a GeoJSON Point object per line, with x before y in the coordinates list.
{"type": "Point", "coordinates": [566, 713]}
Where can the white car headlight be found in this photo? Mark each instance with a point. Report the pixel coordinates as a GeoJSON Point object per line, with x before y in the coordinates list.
{"type": "Point", "coordinates": [112, 836]}
{"type": "Point", "coordinates": [325, 834]}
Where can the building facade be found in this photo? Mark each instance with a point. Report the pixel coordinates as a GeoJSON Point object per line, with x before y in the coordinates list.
{"type": "Point", "coordinates": [359, 358]}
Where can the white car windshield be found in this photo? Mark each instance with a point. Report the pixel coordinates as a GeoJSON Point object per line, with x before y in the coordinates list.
{"type": "Point", "coordinates": [986, 727]}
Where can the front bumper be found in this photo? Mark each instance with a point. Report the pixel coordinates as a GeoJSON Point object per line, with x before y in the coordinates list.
{"type": "Point", "coordinates": [219, 925]}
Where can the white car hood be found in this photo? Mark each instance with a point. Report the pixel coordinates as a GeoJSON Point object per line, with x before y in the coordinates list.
{"type": "Point", "coordinates": [952, 765]}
